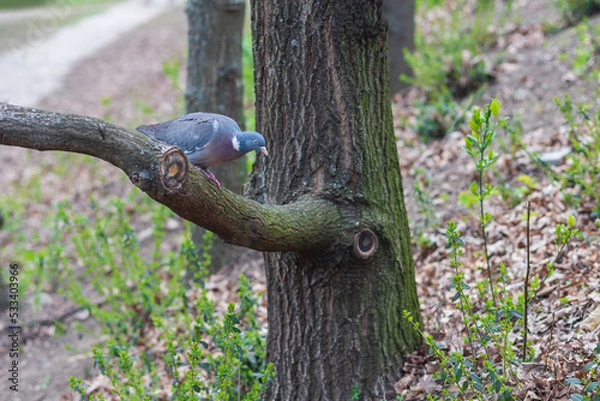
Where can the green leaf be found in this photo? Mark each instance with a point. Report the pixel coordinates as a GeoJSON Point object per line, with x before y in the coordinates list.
{"type": "Point", "coordinates": [458, 373]}
{"type": "Point", "coordinates": [589, 366]}
{"type": "Point", "coordinates": [576, 397]}
{"type": "Point", "coordinates": [467, 199]}
{"type": "Point", "coordinates": [505, 396]}
{"type": "Point", "coordinates": [573, 380]}
{"type": "Point", "coordinates": [495, 107]}
{"type": "Point", "coordinates": [476, 118]}
{"type": "Point", "coordinates": [474, 188]}
{"type": "Point", "coordinates": [591, 387]}
{"type": "Point", "coordinates": [571, 221]}
{"type": "Point", "coordinates": [516, 313]}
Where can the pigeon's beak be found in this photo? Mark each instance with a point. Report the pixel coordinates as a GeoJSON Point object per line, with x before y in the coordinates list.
{"type": "Point", "coordinates": [264, 151]}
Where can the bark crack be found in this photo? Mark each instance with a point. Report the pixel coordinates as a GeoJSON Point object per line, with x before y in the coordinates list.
{"type": "Point", "coordinates": [338, 96]}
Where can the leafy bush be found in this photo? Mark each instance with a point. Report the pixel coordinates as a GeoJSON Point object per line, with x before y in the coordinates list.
{"type": "Point", "coordinates": [164, 338]}
{"type": "Point", "coordinates": [438, 116]}
{"type": "Point", "coordinates": [447, 64]}
{"type": "Point", "coordinates": [573, 11]}
{"type": "Point", "coordinates": [588, 384]}
{"type": "Point", "coordinates": [581, 177]}
{"type": "Point", "coordinates": [484, 365]}
{"type": "Point", "coordinates": [586, 50]}
{"type": "Point", "coordinates": [446, 58]}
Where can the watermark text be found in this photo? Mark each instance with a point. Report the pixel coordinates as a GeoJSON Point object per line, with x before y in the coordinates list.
{"type": "Point", "coordinates": [14, 327]}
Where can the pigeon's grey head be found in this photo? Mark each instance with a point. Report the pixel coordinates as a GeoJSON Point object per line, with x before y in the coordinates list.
{"type": "Point", "coordinates": [250, 140]}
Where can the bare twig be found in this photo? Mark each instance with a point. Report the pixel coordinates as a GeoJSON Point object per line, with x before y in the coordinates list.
{"type": "Point", "coordinates": [526, 295]}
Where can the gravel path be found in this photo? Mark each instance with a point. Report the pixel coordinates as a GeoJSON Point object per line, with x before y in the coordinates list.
{"type": "Point", "coordinates": [35, 69]}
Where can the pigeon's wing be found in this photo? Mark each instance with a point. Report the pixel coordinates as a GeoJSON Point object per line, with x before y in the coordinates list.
{"type": "Point", "coordinates": [192, 132]}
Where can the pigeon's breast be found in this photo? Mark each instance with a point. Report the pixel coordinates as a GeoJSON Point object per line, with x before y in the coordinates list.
{"type": "Point", "coordinates": [217, 151]}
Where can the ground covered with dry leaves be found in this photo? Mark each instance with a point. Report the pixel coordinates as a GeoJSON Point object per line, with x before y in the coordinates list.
{"type": "Point", "coordinates": [564, 318]}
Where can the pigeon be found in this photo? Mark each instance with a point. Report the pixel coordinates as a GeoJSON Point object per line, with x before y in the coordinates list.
{"type": "Point", "coordinates": [206, 139]}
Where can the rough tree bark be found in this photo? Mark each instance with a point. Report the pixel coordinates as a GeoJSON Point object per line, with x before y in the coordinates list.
{"type": "Point", "coordinates": [400, 15]}
{"type": "Point", "coordinates": [322, 90]}
{"type": "Point", "coordinates": [214, 84]}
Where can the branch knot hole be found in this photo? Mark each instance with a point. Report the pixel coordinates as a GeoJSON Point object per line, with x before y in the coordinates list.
{"type": "Point", "coordinates": [365, 244]}
{"type": "Point", "coordinates": [173, 169]}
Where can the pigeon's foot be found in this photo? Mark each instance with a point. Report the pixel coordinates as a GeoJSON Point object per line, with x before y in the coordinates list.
{"type": "Point", "coordinates": [210, 176]}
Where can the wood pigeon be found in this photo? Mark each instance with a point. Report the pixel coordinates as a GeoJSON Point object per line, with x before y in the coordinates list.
{"type": "Point", "coordinates": [207, 139]}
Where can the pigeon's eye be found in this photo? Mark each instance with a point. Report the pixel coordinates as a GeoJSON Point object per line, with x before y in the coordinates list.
{"type": "Point", "coordinates": [255, 142]}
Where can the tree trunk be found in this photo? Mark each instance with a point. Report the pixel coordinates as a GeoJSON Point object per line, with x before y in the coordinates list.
{"type": "Point", "coordinates": [400, 15]}
{"type": "Point", "coordinates": [323, 104]}
{"type": "Point", "coordinates": [214, 84]}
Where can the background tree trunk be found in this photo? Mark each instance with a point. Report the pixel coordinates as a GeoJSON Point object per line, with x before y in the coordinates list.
{"type": "Point", "coordinates": [323, 103]}
{"type": "Point", "coordinates": [400, 15]}
{"type": "Point", "coordinates": [214, 84]}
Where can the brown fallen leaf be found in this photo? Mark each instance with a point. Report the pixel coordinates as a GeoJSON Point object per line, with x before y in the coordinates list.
{"type": "Point", "coordinates": [403, 383]}
{"type": "Point", "coordinates": [592, 320]}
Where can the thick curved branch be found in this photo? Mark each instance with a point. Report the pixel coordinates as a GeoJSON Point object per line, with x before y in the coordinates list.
{"type": "Point", "coordinates": [162, 172]}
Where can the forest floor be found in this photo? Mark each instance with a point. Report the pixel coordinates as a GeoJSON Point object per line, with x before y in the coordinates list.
{"type": "Point", "coordinates": [564, 322]}
{"type": "Point", "coordinates": [113, 84]}
{"type": "Point", "coordinates": [109, 83]}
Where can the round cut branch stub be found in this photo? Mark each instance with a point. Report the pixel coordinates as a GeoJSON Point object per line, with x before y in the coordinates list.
{"type": "Point", "coordinates": [173, 169]}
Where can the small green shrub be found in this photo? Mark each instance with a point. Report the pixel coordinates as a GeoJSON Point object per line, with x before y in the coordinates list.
{"type": "Point", "coordinates": [478, 146]}
{"type": "Point", "coordinates": [445, 57]}
{"type": "Point", "coordinates": [581, 178]}
{"type": "Point", "coordinates": [164, 338]}
{"type": "Point", "coordinates": [586, 51]}
{"type": "Point", "coordinates": [588, 386]}
{"type": "Point", "coordinates": [573, 11]}
{"type": "Point", "coordinates": [423, 194]}
{"type": "Point", "coordinates": [145, 302]}
{"type": "Point", "coordinates": [447, 64]}
{"type": "Point", "coordinates": [484, 365]}
{"type": "Point", "coordinates": [437, 117]}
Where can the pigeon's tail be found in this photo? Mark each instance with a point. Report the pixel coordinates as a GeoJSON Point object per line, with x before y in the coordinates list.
{"type": "Point", "coordinates": [149, 130]}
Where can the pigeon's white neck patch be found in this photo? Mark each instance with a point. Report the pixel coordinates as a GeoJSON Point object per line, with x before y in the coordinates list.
{"type": "Point", "coordinates": [236, 143]}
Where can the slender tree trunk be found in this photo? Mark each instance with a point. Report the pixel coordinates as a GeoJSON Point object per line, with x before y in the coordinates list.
{"type": "Point", "coordinates": [400, 15]}
{"type": "Point", "coordinates": [214, 84]}
{"type": "Point", "coordinates": [322, 90]}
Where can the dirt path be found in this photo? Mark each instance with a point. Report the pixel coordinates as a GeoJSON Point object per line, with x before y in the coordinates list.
{"type": "Point", "coordinates": [47, 54]}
